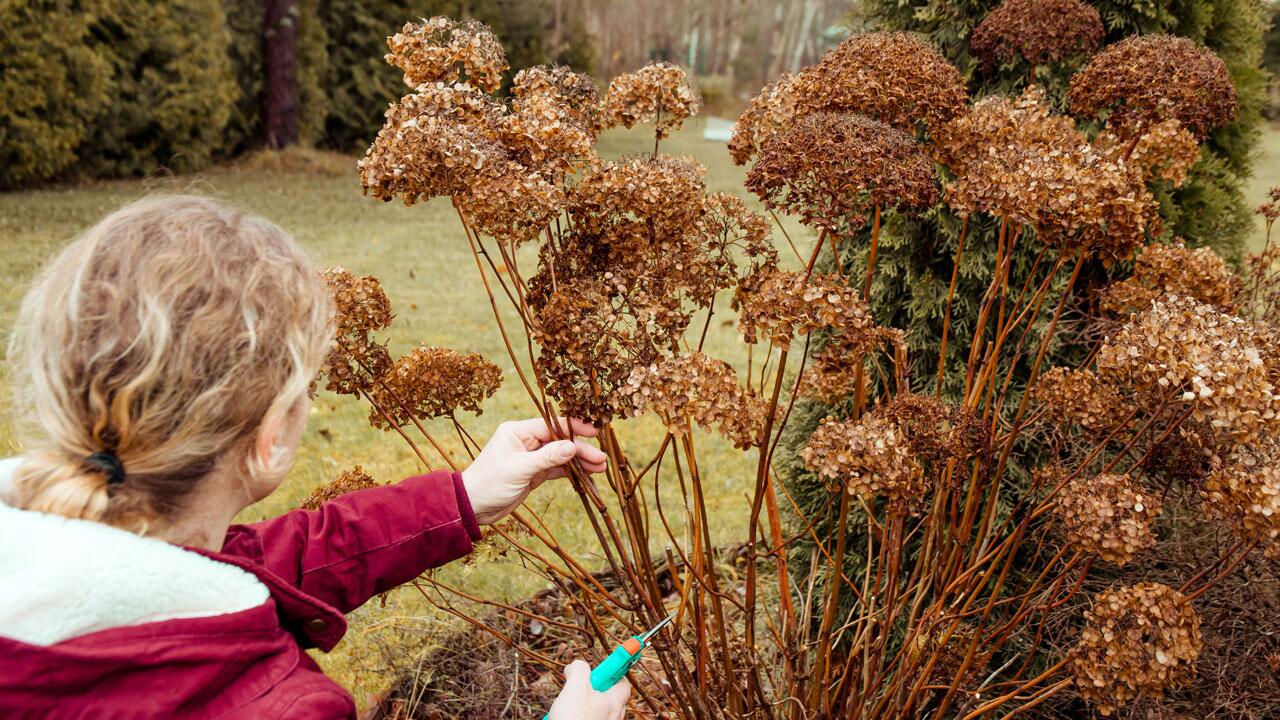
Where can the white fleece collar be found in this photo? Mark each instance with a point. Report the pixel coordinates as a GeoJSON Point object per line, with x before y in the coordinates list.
{"type": "Point", "coordinates": [62, 578]}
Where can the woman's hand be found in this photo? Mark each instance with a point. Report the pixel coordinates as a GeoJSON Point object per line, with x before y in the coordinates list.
{"type": "Point", "coordinates": [579, 701]}
{"type": "Point", "coordinates": [521, 456]}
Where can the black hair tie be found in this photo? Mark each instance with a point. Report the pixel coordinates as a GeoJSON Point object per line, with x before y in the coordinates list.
{"type": "Point", "coordinates": [108, 463]}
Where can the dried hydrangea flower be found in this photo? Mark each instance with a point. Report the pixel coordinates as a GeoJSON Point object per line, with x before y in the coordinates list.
{"type": "Point", "coordinates": [830, 170]}
{"type": "Point", "coordinates": [435, 142]}
{"type": "Point", "coordinates": [433, 382]}
{"type": "Point", "coordinates": [588, 349]}
{"type": "Point", "coordinates": [1160, 270]}
{"type": "Point", "coordinates": [870, 457]}
{"type": "Point", "coordinates": [347, 481]}
{"type": "Point", "coordinates": [693, 388]}
{"type": "Point", "coordinates": [1137, 641]}
{"type": "Point", "coordinates": [665, 191]}
{"type": "Point", "coordinates": [553, 119]}
{"type": "Point", "coordinates": [782, 304]}
{"type": "Point", "coordinates": [1213, 364]}
{"type": "Point", "coordinates": [658, 92]}
{"type": "Point", "coordinates": [1244, 490]}
{"type": "Point", "coordinates": [1165, 151]}
{"type": "Point", "coordinates": [646, 249]}
{"type": "Point", "coordinates": [1079, 397]}
{"type": "Point", "coordinates": [1037, 32]}
{"type": "Point", "coordinates": [935, 431]}
{"type": "Point", "coordinates": [1109, 516]}
{"type": "Point", "coordinates": [775, 107]}
{"type": "Point", "coordinates": [896, 78]}
{"type": "Point", "coordinates": [362, 307]}
{"type": "Point", "coordinates": [444, 50]}
{"type": "Point", "coordinates": [1018, 160]}
{"type": "Point", "coordinates": [1146, 79]}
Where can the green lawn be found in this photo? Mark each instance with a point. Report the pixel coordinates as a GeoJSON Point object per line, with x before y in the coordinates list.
{"type": "Point", "coordinates": [424, 262]}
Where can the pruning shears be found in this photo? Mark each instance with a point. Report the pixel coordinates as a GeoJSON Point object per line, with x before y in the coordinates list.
{"type": "Point", "coordinates": [615, 667]}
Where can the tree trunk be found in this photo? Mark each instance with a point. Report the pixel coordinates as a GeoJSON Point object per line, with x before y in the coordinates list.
{"type": "Point", "coordinates": [280, 70]}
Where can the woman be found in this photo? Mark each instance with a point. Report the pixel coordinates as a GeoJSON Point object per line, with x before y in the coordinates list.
{"type": "Point", "coordinates": [163, 361]}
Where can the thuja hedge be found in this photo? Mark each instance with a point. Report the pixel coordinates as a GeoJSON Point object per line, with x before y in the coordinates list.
{"type": "Point", "coordinates": [106, 88]}
{"type": "Point", "coordinates": [111, 87]}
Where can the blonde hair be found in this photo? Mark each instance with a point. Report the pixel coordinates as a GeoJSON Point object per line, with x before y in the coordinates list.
{"type": "Point", "coordinates": [165, 335]}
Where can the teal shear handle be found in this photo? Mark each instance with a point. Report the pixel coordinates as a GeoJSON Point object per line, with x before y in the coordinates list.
{"type": "Point", "coordinates": [615, 667]}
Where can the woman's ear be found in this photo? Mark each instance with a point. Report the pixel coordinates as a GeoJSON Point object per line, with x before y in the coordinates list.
{"type": "Point", "coordinates": [277, 439]}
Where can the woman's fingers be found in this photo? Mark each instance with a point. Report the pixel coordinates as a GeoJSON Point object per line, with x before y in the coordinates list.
{"type": "Point", "coordinates": [590, 454]}
{"type": "Point", "coordinates": [537, 428]}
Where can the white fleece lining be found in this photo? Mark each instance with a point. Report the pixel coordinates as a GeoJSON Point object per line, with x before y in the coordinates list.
{"type": "Point", "coordinates": [62, 578]}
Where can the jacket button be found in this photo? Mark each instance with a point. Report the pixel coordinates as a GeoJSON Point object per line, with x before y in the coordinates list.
{"type": "Point", "coordinates": [316, 626]}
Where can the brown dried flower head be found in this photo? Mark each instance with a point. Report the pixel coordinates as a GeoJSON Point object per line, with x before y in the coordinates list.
{"type": "Point", "coordinates": [1166, 151]}
{"type": "Point", "coordinates": [362, 307]}
{"type": "Point", "coordinates": [782, 304]}
{"type": "Point", "coordinates": [347, 481]}
{"type": "Point", "coordinates": [1137, 641]}
{"type": "Point", "coordinates": [895, 78]}
{"type": "Point", "coordinates": [658, 92]}
{"type": "Point", "coordinates": [831, 169]}
{"type": "Point", "coordinates": [647, 249]}
{"type": "Point", "coordinates": [554, 119]}
{"type": "Point", "coordinates": [871, 458]}
{"type": "Point", "coordinates": [693, 388]}
{"type": "Point", "coordinates": [935, 431]}
{"type": "Point", "coordinates": [433, 382]}
{"type": "Point", "coordinates": [775, 107]}
{"type": "Point", "coordinates": [1109, 516]}
{"type": "Point", "coordinates": [1037, 32]}
{"type": "Point", "coordinates": [831, 375]}
{"type": "Point", "coordinates": [1146, 79]}
{"type": "Point", "coordinates": [1244, 490]}
{"type": "Point", "coordinates": [1270, 209]}
{"type": "Point", "coordinates": [449, 141]}
{"type": "Point", "coordinates": [444, 50]}
{"type": "Point", "coordinates": [1079, 397]}
{"type": "Point", "coordinates": [1018, 160]}
{"type": "Point", "coordinates": [1200, 274]}
{"type": "Point", "coordinates": [1213, 364]}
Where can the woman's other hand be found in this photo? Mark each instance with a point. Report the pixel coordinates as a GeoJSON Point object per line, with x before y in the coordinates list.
{"type": "Point", "coordinates": [579, 701]}
{"type": "Point", "coordinates": [521, 456]}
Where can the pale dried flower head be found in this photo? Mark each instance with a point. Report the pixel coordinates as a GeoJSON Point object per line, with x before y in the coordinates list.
{"type": "Point", "coordinates": [1244, 491]}
{"type": "Point", "coordinates": [347, 481]}
{"type": "Point", "coordinates": [553, 120]}
{"type": "Point", "coordinates": [1079, 397]}
{"type": "Point", "coordinates": [658, 92]}
{"type": "Point", "coordinates": [1137, 642]}
{"type": "Point", "coordinates": [831, 169]}
{"type": "Point", "coordinates": [433, 382]}
{"type": "Point", "coordinates": [1165, 151]}
{"type": "Point", "coordinates": [1109, 516]}
{"type": "Point", "coordinates": [695, 389]}
{"type": "Point", "coordinates": [895, 78]}
{"type": "Point", "coordinates": [1145, 79]}
{"type": "Point", "coordinates": [1200, 274]}
{"type": "Point", "coordinates": [870, 457]}
{"type": "Point", "coordinates": [1214, 365]}
{"type": "Point", "coordinates": [444, 50]}
{"type": "Point", "coordinates": [781, 305]}
{"type": "Point", "coordinates": [356, 359]}
{"type": "Point", "coordinates": [1017, 160]}
{"type": "Point", "coordinates": [775, 107]}
{"type": "Point", "coordinates": [1037, 32]}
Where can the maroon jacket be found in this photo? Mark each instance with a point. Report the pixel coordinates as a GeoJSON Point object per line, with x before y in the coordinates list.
{"type": "Point", "coordinates": [317, 565]}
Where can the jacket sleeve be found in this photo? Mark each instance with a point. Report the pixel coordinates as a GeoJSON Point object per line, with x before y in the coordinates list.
{"type": "Point", "coordinates": [365, 542]}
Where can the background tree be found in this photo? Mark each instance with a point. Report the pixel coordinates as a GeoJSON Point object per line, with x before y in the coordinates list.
{"type": "Point", "coordinates": [280, 19]}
